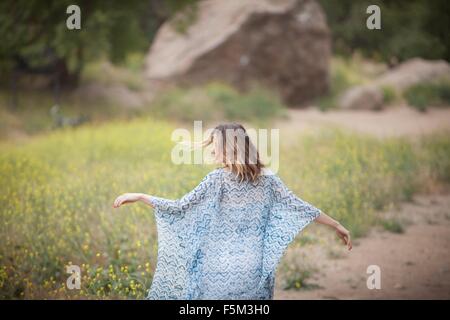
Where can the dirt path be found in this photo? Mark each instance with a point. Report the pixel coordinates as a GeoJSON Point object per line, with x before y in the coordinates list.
{"type": "Point", "coordinates": [394, 121]}
{"type": "Point", "coordinates": [414, 265]}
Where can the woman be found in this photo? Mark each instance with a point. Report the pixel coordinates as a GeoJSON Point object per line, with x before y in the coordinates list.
{"type": "Point", "coordinates": [224, 239]}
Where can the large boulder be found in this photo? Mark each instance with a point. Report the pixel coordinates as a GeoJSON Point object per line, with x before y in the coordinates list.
{"type": "Point", "coordinates": [411, 72]}
{"type": "Point", "coordinates": [281, 44]}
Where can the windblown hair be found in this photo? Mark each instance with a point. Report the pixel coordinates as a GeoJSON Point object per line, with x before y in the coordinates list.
{"type": "Point", "coordinates": [237, 153]}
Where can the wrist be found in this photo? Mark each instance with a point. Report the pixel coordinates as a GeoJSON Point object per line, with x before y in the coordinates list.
{"type": "Point", "coordinates": [335, 224]}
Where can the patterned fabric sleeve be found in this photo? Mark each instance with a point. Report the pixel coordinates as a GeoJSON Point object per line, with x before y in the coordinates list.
{"type": "Point", "coordinates": [180, 226]}
{"type": "Point", "coordinates": [288, 216]}
{"type": "Point", "coordinates": [188, 201]}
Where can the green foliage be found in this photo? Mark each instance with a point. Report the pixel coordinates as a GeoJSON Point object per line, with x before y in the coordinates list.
{"type": "Point", "coordinates": [33, 115]}
{"type": "Point", "coordinates": [214, 101]}
{"type": "Point", "coordinates": [392, 225]}
{"type": "Point", "coordinates": [186, 17]}
{"type": "Point", "coordinates": [436, 150]}
{"type": "Point", "coordinates": [423, 95]}
{"type": "Point", "coordinates": [217, 101]}
{"type": "Point", "coordinates": [408, 29]}
{"type": "Point", "coordinates": [38, 26]}
{"type": "Point", "coordinates": [296, 274]}
{"type": "Point", "coordinates": [103, 72]}
{"type": "Point", "coordinates": [352, 176]}
{"type": "Point", "coordinates": [37, 32]}
{"type": "Point", "coordinates": [389, 94]}
{"type": "Point", "coordinates": [297, 279]}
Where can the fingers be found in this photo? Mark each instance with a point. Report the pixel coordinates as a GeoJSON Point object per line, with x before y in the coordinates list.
{"type": "Point", "coordinates": [118, 202]}
{"type": "Point", "coordinates": [349, 242]}
{"type": "Point", "coordinates": [346, 239]}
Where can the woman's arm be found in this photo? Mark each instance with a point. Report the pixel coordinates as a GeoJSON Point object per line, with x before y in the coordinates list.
{"type": "Point", "coordinates": [341, 232]}
{"type": "Point", "coordinates": [132, 197]}
{"type": "Point", "coordinates": [202, 191]}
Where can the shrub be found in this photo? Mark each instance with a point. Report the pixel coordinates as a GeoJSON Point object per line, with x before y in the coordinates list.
{"type": "Point", "coordinates": [423, 95]}
{"type": "Point", "coordinates": [216, 101]}
{"type": "Point", "coordinates": [392, 225]}
{"type": "Point", "coordinates": [389, 94]}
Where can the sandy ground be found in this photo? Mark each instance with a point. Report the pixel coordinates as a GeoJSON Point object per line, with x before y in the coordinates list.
{"type": "Point", "coordinates": [394, 121]}
{"type": "Point", "coordinates": [414, 264]}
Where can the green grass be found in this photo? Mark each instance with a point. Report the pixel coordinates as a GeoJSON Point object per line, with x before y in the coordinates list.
{"type": "Point", "coordinates": [297, 279]}
{"type": "Point", "coordinates": [435, 154]}
{"type": "Point", "coordinates": [57, 191]}
{"type": "Point", "coordinates": [216, 101]}
{"type": "Point", "coordinates": [105, 73]}
{"type": "Point", "coordinates": [353, 176]}
{"type": "Point", "coordinates": [33, 115]}
{"type": "Point", "coordinates": [296, 274]}
{"type": "Point", "coordinates": [211, 102]}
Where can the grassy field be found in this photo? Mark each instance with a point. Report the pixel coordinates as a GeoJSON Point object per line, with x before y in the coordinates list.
{"type": "Point", "coordinates": [57, 191]}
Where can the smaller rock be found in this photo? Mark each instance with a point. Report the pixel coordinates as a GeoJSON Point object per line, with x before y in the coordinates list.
{"type": "Point", "coordinates": [366, 97]}
{"type": "Point", "coordinates": [407, 74]}
{"type": "Point", "coordinates": [412, 72]}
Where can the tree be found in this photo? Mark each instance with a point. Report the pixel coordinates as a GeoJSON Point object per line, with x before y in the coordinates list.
{"type": "Point", "coordinates": [35, 38]}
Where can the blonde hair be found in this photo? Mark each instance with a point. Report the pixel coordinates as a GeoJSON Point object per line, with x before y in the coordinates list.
{"type": "Point", "coordinates": [237, 152]}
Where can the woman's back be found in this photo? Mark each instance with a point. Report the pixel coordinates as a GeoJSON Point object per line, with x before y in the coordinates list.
{"type": "Point", "coordinates": [234, 244]}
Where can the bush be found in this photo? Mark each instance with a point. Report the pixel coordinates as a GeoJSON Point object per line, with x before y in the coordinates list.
{"type": "Point", "coordinates": [423, 95]}
{"type": "Point", "coordinates": [392, 225]}
{"type": "Point", "coordinates": [389, 94]}
{"type": "Point", "coordinates": [217, 101]}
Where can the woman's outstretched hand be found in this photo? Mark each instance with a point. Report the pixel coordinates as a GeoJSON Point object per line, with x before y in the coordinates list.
{"type": "Point", "coordinates": [344, 234]}
{"type": "Point", "coordinates": [126, 198]}
{"type": "Point", "coordinates": [341, 232]}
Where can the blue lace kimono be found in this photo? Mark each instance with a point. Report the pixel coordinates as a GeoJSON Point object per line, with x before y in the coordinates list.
{"type": "Point", "coordinates": [224, 239]}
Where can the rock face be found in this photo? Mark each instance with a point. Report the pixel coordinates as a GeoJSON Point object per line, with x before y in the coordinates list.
{"type": "Point", "coordinates": [281, 44]}
{"type": "Point", "coordinates": [407, 74]}
{"type": "Point", "coordinates": [412, 72]}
